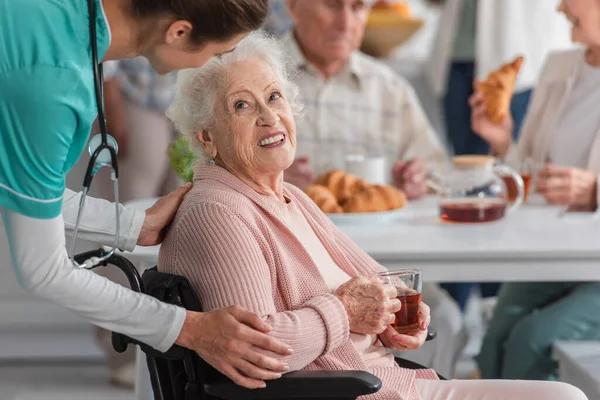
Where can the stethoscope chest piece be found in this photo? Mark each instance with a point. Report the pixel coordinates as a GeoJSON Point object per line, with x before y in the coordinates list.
{"type": "Point", "coordinates": [104, 158]}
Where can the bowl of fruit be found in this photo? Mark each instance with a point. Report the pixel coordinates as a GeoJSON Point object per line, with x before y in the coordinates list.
{"type": "Point", "coordinates": [389, 25]}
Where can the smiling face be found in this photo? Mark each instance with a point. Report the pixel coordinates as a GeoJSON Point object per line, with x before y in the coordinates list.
{"type": "Point", "coordinates": [584, 15]}
{"type": "Point", "coordinates": [254, 132]}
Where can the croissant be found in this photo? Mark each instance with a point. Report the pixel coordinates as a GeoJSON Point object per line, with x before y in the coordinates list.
{"type": "Point", "coordinates": [498, 90]}
{"type": "Point", "coordinates": [376, 198]}
{"type": "Point", "coordinates": [342, 185]}
{"type": "Point", "coordinates": [324, 199]}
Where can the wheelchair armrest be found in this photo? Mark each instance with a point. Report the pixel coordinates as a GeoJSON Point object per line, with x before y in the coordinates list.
{"type": "Point", "coordinates": [302, 385]}
{"type": "Point", "coordinates": [431, 334]}
{"type": "Point", "coordinates": [120, 343]}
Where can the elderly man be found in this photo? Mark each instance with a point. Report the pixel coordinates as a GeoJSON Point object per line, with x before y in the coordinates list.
{"type": "Point", "coordinates": [356, 105]}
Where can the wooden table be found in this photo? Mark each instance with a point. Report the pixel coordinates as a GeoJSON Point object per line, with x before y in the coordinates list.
{"type": "Point", "coordinates": [536, 243]}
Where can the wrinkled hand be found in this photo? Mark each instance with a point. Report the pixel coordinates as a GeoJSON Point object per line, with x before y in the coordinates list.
{"type": "Point", "coordinates": [567, 186]}
{"type": "Point", "coordinates": [411, 177]}
{"type": "Point", "coordinates": [160, 215]}
{"type": "Point", "coordinates": [369, 303]}
{"type": "Point", "coordinates": [227, 339]}
{"type": "Point", "coordinates": [300, 174]}
{"type": "Point", "coordinates": [499, 137]}
{"type": "Point", "coordinates": [409, 340]}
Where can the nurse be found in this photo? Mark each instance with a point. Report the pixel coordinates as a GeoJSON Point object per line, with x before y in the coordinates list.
{"type": "Point", "coordinates": [47, 106]}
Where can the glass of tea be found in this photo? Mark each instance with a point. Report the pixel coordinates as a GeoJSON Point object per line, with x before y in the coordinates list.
{"type": "Point", "coordinates": [408, 286]}
{"type": "Point", "coordinates": [527, 169]}
{"type": "Point", "coordinates": [473, 190]}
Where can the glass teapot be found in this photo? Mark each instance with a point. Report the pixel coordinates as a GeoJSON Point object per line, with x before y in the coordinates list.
{"type": "Point", "coordinates": [474, 190]}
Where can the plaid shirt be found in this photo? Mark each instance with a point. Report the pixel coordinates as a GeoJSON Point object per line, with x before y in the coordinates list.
{"type": "Point", "coordinates": [278, 22]}
{"type": "Point", "coordinates": [365, 109]}
{"type": "Point", "coordinates": [140, 84]}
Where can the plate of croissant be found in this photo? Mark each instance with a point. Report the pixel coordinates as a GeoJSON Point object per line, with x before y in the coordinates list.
{"type": "Point", "coordinates": [347, 199]}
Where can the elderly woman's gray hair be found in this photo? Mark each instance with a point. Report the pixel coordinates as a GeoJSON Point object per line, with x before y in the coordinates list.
{"type": "Point", "coordinates": [193, 109]}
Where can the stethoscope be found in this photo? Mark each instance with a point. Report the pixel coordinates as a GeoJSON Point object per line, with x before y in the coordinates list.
{"type": "Point", "coordinates": [103, 153]}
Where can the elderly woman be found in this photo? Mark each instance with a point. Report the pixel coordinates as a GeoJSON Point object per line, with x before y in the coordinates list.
{"type": "Point", "coordinates": [562, 130]}
{"type": "Point", "coordinates": [243, 236]}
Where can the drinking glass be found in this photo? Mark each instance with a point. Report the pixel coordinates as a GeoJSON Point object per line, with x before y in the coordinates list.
{"type": "Point", "coordinates": [528, 170]}
{"type": "Point", "coordinates": [408, 286]}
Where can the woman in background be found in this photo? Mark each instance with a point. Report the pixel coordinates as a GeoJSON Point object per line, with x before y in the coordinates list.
{"type": "Point", "coordinates": [563, 127]}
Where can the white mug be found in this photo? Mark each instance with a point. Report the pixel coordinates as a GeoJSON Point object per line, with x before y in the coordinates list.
{"type": "Point", "coordinates": [371, 169]}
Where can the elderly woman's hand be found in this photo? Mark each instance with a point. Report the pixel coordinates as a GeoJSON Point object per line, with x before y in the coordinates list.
{"type": "Point", "coordinates": [499, 137]}
{"type": "Point", "coordinates": [409, 340]}
{"type": "Point", "coordinates": [567, 186]}
{"type": "Point", "coordinates": [410, 176]}
{"type": "Point", "coordinates": [369, 303]}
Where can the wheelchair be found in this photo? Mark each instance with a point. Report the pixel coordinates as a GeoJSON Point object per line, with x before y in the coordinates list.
{"type": "Point", "coordinates": [180, 374]}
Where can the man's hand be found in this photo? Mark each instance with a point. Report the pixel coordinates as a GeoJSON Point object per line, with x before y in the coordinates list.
{"type": "Point", "coordinates": [410, 177]}
{"type": "Point", "coordinates": [568, 186]}
{"type": "Point", "coordinates": [409, 340]}
{"type": "Point", "coordinates": [160, 215]}
{"type": "Point", "coordinates": [300, 174]}
{"type": "Point", "coordinates": [229, 339]}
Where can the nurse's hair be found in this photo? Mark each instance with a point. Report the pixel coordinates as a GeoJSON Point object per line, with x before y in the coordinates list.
{"type": "Point", "coordinates": [198, 89]}
{"type": "Point", "coordinates": [212, 20]}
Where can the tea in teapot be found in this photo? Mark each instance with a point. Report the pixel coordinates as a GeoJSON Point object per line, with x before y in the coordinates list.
{"type": "Point", "coordinates": [472, 210]}
{"type": "Point", "coordinates": [473, 190]}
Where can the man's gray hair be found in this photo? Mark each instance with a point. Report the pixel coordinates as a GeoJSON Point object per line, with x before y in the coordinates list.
{"type": "Point", "coordinates": [196, 98]}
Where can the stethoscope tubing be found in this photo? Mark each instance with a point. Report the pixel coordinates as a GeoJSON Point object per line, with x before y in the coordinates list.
{"type": "Point", "coordinates": [93, 165]}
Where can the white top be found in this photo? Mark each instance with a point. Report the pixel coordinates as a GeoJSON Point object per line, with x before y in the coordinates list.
{"type": "Point", "coordinates": [373, 354]}
{"type": "Point", "coordinates": [365, 109]}
{"type": "Point", "coordinates": [580, 121]}
{"type": "Point", "coordinates": [42, 265]}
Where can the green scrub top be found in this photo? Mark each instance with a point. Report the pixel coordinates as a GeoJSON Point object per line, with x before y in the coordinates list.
{"type": "Point", "coordinates": [47, 98]}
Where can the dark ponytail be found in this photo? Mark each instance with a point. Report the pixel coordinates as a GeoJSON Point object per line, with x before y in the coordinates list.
{"type": "Point", "coordinates": [212, 20]}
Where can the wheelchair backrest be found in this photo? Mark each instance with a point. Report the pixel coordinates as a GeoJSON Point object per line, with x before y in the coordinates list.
{"type": "Point", "coordinates": [178, 374]}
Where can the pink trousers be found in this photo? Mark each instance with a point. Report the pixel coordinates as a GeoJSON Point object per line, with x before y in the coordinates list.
{"type": "Point", "coordinates": [497, 390]}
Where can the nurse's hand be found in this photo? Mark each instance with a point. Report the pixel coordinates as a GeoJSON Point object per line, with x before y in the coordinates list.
{"type": "Point", "coordinates": [229, 339]}
{"type": "Point", "coordinates": [160, 215]}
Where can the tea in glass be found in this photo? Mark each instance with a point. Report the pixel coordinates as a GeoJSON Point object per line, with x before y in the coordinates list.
{"type": "Point", "coordinates": [472, 210]}
{"type": "Point", "coordinates": [407, 319]}
{"type": "Point", "coordinates": [512, 191]}
{"type": "Point", "coordinates": [408, 290]}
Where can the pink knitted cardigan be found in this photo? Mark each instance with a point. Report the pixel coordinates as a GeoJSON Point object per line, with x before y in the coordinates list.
{"type": "Point", "coordinates": [233, 245]}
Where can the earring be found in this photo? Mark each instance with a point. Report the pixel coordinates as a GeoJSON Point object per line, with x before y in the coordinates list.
{"type": "Point", "coordinates": [212, 161]}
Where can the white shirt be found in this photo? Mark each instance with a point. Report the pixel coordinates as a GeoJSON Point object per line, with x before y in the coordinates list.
{"type": "Point", "coordinates": [365, 109]}
{"type": "Point", "coordinates": [42, 265]}
{"type": "Point", "coordinates": [579, 123]}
